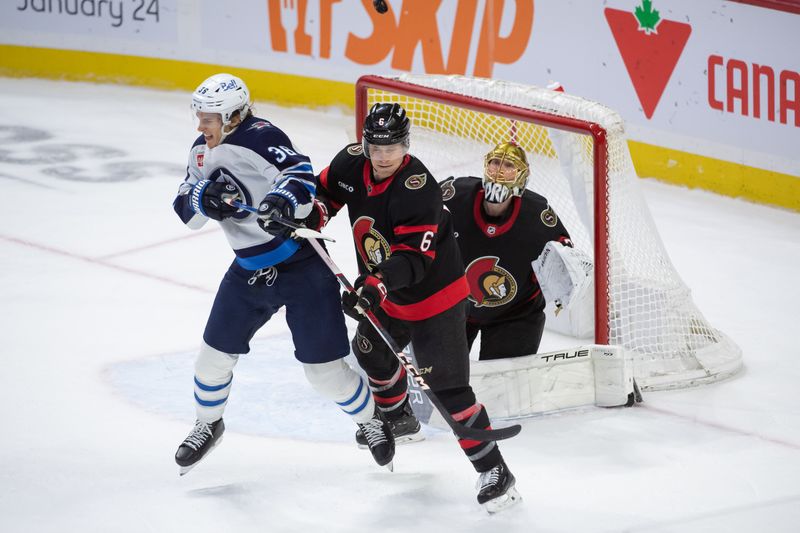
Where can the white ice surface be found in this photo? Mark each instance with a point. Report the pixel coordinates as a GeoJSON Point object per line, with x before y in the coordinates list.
{"type": "Point", "coordinates": [104, 295]}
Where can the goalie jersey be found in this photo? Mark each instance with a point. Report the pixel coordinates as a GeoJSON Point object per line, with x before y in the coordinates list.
{"type": "Point", "coordinates": [497, 254]}
{"type": "Point", "coordinates": [399, 229]}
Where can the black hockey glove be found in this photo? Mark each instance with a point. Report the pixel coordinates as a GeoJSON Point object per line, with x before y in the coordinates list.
{"type": "Point", "coordinates": [272, 206]}
{"type": "Point", "coordinates": [370, 292]}
{"type": "Point", "coordinates": [212, 196]}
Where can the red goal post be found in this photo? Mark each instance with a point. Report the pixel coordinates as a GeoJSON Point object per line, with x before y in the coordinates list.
{"type": "Point", "coordinates": [580, 162]}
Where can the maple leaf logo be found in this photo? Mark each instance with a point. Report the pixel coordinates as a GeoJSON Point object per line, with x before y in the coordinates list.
{"type": "Point", "coordinates": [648, 17]}
{"type": "Point", "coordinates": [650, 47]}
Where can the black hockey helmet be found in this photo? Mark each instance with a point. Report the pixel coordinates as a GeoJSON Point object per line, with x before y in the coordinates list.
{"type": "Point", "coordinates": [386, 124]}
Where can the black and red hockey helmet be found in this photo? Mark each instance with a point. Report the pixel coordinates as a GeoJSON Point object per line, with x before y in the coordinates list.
{"type": "Point", "coordinates": [386, 124]}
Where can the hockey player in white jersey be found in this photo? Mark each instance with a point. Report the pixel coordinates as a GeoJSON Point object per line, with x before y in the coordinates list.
{"type": "Point", "coordinates": [242, 157]}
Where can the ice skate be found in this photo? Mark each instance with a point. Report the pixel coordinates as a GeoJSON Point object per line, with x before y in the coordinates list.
{"type": "Point", "coordinates": [379, 439]}
{"type": "Point", "coordinates": [496, 490]}
{"type": "Point", "coordinates": [203, 438]}
{"type": "Point", "coordinates": [405, 428]}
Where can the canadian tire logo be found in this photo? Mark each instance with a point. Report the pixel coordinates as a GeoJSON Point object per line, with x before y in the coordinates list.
{"type": "Point", "coordinates": [650, 48]}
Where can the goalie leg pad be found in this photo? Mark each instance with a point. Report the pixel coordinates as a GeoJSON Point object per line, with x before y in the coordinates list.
{"type": "Point", "coordinates": [213, 375]}
{"type": "Point", "coordinates": [613, 376]}
{"type": "Point", "coordinates": [338, 382]}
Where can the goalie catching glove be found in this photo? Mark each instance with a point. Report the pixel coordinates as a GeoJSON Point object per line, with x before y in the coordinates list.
{"type": "Point", "coordinates": [565, 274]}
{"type": "Point", "coordinates": [369, 294]}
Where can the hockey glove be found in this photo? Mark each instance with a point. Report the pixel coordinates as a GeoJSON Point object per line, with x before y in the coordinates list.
{"type": "Point", "coordinates": [275, 206]}
{"type": "Point", "coordinates": [318, 217]}
{"type": "Point", "coordinates": [208, 198]}
{"type": "Point", "coordinates": [370, 292]}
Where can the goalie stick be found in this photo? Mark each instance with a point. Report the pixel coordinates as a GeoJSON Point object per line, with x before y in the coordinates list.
{"type": "Point", "coordinates": [461, 431]}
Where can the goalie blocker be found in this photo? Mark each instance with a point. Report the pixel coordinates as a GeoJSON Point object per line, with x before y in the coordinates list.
{"type": "Point", "coordinates": [586, 375]}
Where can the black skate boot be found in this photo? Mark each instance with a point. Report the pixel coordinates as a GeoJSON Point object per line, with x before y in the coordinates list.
{"type": "Point", "coordinates": [496, 489]}
{"type": "Point", "coordinates": [204, 437]}
{"type": "Point", "coordinates": [405, 427]}
{"type": "Point", "coordinates": [379, 439]}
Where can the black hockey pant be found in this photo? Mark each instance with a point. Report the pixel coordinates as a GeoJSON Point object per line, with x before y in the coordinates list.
{"type": "Point", "coordinates": [440, 348]}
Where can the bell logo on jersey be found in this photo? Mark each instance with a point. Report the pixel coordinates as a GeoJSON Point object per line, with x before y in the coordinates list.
{"type": "Point", "coordinates": [372, 247]}
{"type": "Point", "coordinates": [200, 157]}
{"type": "Point", "coordinates": [489, 284]}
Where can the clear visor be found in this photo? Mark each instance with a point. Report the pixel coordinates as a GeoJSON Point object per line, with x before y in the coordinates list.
{"type": "Point", "coordinates": [386, 151]}
{"type": "Point", "coordinates": [502, 171]}
{"type": "Point", "coordinates": [205, 120]}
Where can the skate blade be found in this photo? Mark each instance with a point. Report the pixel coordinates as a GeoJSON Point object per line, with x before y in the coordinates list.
{"type": "Point", "coordinates": [405, 439]}
{"type": "Point", "coordinates": [389, 466]}
{"type": "Point", "coordinates": [183, 470]}
{"type": "Point", "coordinates": [509, 499]}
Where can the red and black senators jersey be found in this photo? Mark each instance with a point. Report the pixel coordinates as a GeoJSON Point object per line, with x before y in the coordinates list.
{"type": "Point", "coordinates": [497, 254]}
{"type": "Point", "coordinates": [400, 230]}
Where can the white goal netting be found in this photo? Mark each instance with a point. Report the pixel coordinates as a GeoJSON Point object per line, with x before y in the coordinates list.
{"type": "Point", "coordinates": [643, 303]}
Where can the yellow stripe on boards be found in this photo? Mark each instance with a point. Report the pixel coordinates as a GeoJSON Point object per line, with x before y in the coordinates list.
{"type": "Point", "coordinates": [283, 89]}
{"type": "Point", "coordinates": [717, 175]}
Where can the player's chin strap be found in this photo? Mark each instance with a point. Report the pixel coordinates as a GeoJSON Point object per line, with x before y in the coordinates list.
{"type": "Point", "coordinates": [463, 432]}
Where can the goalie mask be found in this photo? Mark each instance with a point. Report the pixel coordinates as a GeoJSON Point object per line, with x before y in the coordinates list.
{"type": "Point", "coordinates": [225, 95]}
{"type": "Point", "coordinates": [505, 172]}
{"type": "Point", "coordinates": [386, 124]}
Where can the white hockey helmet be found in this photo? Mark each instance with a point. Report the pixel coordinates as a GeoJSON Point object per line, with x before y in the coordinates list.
{"type": "Point", "coordinates": [224, 94]}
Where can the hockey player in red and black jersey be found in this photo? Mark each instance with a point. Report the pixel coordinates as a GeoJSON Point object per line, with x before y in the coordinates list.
{"type": "Point", "coordinates": [501, 228]}
{"type": "Point", "coordinates": [412, 278]}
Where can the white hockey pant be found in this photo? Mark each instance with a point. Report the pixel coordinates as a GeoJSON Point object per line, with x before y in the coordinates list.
{"type": "Point", "coordinates": [337, 381]}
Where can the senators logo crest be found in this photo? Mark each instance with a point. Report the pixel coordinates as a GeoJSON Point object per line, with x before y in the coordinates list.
{"type": "Point", "coordinates": [448, 189]}
{"type": "Point", "coordinates": [489, 284]}
{"type": "Point", "coordinates": [371, 245]}
{"type": "Point", "coordinates": [417, 181]}
{"type": "Point", "coordinates": [549, 217]}
{"type": "Point", "coordinates": [356, 149]}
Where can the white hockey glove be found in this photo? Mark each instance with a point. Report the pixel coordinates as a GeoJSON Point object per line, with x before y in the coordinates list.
{"type": "Point", "coordinates": [565, 274]}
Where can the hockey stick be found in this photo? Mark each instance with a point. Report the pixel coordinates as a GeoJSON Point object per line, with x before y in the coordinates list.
{"type": "Point", "coordinates": [299, 231]}
{"type": "Point", "coordinates": [463, 432]}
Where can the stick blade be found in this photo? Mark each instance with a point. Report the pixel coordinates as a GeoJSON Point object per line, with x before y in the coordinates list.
{"type": "Point", "coordinates": [306, 233]}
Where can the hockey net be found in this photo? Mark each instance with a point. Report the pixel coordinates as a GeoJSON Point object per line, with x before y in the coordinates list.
{"type": "Point", "coordinates": [580, 162]}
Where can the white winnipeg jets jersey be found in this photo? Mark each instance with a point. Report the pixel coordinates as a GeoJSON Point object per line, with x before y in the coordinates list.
{"type": "Point", "coordinates": [256, 158]}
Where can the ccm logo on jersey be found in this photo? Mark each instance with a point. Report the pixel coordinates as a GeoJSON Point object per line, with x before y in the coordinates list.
{"type": "Point", "coordinates": [200, 157]}
{"type": "Point", "coordinates": [348, 188]}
